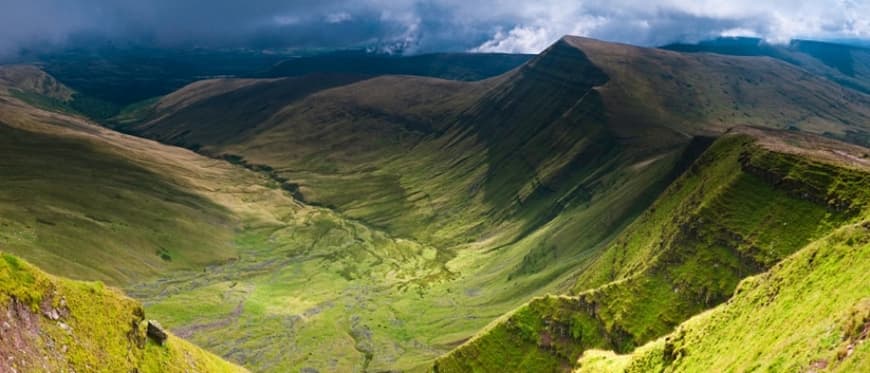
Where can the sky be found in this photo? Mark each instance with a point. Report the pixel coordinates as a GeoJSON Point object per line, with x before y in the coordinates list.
{"type": "Point", "coordinates": [414, 26]}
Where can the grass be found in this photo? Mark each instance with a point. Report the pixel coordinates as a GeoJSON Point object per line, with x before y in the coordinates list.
{"type": "Point", "coordinates": [78, 208]}
{"type": "Point", "coordinates": [723, 220]}
{"type": "Point", "coordinates": [807, 313]}
{"type": "Point", "coordinates": [94, 328]}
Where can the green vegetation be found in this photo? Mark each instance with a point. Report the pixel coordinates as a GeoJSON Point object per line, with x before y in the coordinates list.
{"type": "Point", "coordinates": [78, 207]}
{"type": "Point", "coordinates": [737, 211]}
{"type": "Point", "coordinates": [54, 324]}
{"type": "Point", "coordinates": [809, 313]}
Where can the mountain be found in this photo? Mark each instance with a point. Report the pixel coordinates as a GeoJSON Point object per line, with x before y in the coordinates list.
{"type": "Point", "coordinates": [511, 138]}
{"type": "Point", "coordinates": [54, 324]}
{"type": "Point", "coordinates": [453, 66]}
{"type": "Point", "coordinates": [845, 64]}
{"type": "Point", "coordinates": [594, 198]}
{"type": "Point", "coordinates": [107, 78]}
{"type": "Point", "coordinates": [751, 200]}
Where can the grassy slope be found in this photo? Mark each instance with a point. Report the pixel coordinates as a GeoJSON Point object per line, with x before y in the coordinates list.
{"type": "Point", "coordinates": [54, 324]}
{"type": "Point", "coordinates": [809, 313]}
{"type": "Point", "coordinates": [685, 254]}
{"type": "Point", "coordinates": [89, 203]}
{"type": "Point", "coordinates": [699, 93]}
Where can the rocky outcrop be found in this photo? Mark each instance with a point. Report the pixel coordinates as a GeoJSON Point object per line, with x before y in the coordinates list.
{"type": "Point", "coordinates": [156, 332]}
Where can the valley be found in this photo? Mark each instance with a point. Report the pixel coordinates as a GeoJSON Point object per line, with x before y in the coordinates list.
{"type": "Point", "coordinates": [599, 207]}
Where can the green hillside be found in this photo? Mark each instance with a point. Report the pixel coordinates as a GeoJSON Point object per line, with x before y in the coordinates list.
{"type": "Point", "coordinates": [809, 313]}
{"type": "Point", "coordinates": [52, 324]}
{"type": "Point", "coordinates": [740, 208]}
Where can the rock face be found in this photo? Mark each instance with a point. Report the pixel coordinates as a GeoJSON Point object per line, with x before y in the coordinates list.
{"type": "Point", "coordinates": [156, 332]}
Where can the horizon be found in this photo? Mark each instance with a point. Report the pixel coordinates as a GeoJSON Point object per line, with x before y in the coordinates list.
{"type": "Point", "coordinates": [34, 54]}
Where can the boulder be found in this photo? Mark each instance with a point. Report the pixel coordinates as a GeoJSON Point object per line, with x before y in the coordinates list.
{"type": "Point", "coordinates": [156, 332]}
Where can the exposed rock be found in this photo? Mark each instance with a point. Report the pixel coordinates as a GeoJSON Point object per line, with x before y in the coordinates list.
{"type": "Point", "coordinates": [156, 332]}
{"type": "Point", "coordinates": [52, 314]}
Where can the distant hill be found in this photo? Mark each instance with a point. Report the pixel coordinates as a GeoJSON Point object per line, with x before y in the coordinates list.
{"type": "Point", "coordinates": [846, 64]}
{"type": "Point", "coordinates": [108, 78]}
{"type": "Point", "coordinates": [453, 66]}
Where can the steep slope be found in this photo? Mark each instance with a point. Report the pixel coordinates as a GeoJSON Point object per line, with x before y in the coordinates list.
{"type": "Point", "coordinates": [441, 190]}
{"type": "Point", "coordinates": [88, 203]}
{"type": "Point", "coordinates": [693, 93]}
{"type": "Point", "coordinates": [455, 162]}
{"type": "Point", "coordinates": [54, 324]}
{"type": "Point", "coordinates": [30, 81]}
{"type": "Point", "coordinates": [687, 252]}
{"type": "Point", "coordinates": [809, 313]}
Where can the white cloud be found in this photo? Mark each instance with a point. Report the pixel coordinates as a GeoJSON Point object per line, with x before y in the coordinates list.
{"type": "Point", "coordinates": [739, 31]}
{"type": "Point", "coordinates": [521, 39]}
{"type": "Point", "coordinates": [662, 21]}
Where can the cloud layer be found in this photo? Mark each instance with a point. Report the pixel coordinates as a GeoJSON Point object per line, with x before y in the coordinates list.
{"type": "Point", "coordinates": [422, 25]}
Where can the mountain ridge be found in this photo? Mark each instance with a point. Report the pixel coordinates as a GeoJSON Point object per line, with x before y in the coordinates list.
{"type": "Point", "coordinates": [699, 238]}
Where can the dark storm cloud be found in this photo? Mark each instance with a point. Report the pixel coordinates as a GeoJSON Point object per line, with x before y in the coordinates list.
{"type": "Point", "coordinates": [421, 25]}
